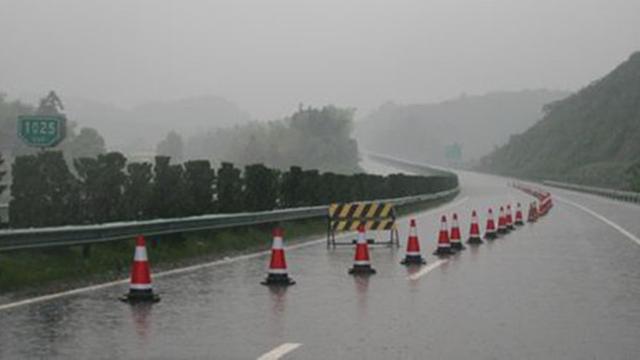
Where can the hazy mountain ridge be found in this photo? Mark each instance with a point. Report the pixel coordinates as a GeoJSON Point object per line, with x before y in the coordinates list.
{"type": "Point", "coordinates": [141, 127]}
{"type": "Point", "coordinates": [478, 123]}
{"type": "Point", "coordinates": [591, 137]}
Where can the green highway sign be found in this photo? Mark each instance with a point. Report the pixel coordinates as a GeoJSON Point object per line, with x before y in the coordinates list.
{"type": "Point", "coordinates": [42, 130]}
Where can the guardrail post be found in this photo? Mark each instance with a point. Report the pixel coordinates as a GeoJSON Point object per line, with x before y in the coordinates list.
{"type": "Point", "coordinates": [86, 251]}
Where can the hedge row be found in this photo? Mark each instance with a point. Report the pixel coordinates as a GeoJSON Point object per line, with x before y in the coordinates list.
{"type": "Point", "coordinates": [47, 192]}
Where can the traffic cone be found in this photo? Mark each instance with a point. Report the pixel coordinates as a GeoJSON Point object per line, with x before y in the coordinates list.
{"type": "Point", "coordinates": [277, 273]}
{"type": "Point", "coordinates": [361, 263]}
{"type": "Point", "coordinates": [454, 238]}
{"type": "Point", "coordinates": [502, 222]}
{"type": "Point", "coordinates": [533, 216]}
{"type": "Point", "coordinates": [490, 232]}
{"type": "Point", "coordinates": [474, 231]}
{"type": "Point", "coordinates": [519, 221]}
{"type": "Point", "coordinates": [140, 289]}
{"type": "Point", "coordinates": [444, 246]}
{"type": "Point", "coordinates": [509, 218]}
{"type": "Point", "coordinates": [413, 255]}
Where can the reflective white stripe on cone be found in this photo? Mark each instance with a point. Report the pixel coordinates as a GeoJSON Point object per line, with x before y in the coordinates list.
{"type": "Point", "coordinates": [490, 232]}
{"type": "Point", "coordinates": [455, 238]}
{"type": "Point", "coordinates": [413, 255]}
{"type": "Point", "coordinates": [361, 262]}
{"type": "Point", "coordinates": [140, 289]}
{"type": "Point", "coordinates": [444, 246]}
{"type": "Point", "coordinates": [277, 274]}
{"type": "Point", "coordinates": [474, 230]}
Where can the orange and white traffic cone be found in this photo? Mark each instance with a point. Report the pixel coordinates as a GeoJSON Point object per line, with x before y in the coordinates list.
{"type": "Point", "coordinates": [454, 237]}
{"type": "Point", "coordinates": [532, 217]}
{"type": "Point", "coordinates": [413, 256]}
{"type": "Point", "coordinates": [140, 289]}
{"type": "Point", "coordinates": [490, 232]}
{"type": "Point", "coordinates": [519, 221]}
{"type": "Point", "coordinates": [277, 273]}
{"type": "Point", "coordinates": [362, 263]}
{"type": "Point", "coordinates": [502, 222]}
{"type": "Point", "coordinates": [474, 231]}
{"type": "Point", "coordinates": [444, 246]}
{"type": "Point", "coordinates": [509, 219]}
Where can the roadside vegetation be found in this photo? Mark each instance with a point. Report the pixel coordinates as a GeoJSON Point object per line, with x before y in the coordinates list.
{"type": "Point", "coordinates": [592, 137]}
{"type": "Point", "coordinates": [37, 271]}
{"type": "Point", "coordinates": [46, 192]}
{"type": "Point", "coordinates": [61, 187]}
{"type": "Point", "coordinates": [33, 272]}
{"type": "Point", "coordinates": [316, 138]}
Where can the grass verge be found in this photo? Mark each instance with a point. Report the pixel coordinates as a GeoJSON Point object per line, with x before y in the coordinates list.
{"type": "Point", "coordinates": [29, 273]}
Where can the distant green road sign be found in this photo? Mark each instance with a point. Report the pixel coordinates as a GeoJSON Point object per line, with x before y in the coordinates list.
{"type": "Point", "coordinates": [42, 130]}
{"type": "Point", "coordinates": [453, 152]}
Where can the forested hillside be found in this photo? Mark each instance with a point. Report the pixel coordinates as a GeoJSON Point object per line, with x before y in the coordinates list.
{"type": "Point", "coordinates": [592, 137]}
{"type": "Point", "coordinates": [477, 124]}
{"type": "Point", "coordinates": [141, 127]}
{"type": "Point", "coordinates": [318, 138]}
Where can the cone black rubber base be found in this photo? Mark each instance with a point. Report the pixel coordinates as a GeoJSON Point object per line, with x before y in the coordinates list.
{"type": "Point", "coordinates": [519, 223]}
{"type": "Point", "coordinates": [457, 246]}
{"type": "Point", "coordinates": [443, 251]}
{"type": "Point", "coordinates": [490, 236]}
{"type": "Point", "coordinates": [511, 228]}
{"type": "Point", "coordinates": [140, 296]}
{"type": "Point", "coordinates": [362, 270]}
{"type": "Point", "coordinates": [503, 231]}
{"type": "Point", "coordinates": [278, 280]}
{"type": "Point", "coordinates": [413, 260]}
{"type": "Point", "coordinates": [474, 241]}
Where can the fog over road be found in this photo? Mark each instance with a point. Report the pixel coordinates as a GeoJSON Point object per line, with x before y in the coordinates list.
{"type": "Point", "coordinates": [566, 287]}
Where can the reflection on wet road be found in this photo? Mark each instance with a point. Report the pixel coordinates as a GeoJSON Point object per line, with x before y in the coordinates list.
{"type": "Point", "coordinates": [566, 287]}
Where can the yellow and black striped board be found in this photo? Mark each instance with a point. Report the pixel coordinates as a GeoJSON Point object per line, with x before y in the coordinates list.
{"type": "Point", "coordinates": [374, 216]}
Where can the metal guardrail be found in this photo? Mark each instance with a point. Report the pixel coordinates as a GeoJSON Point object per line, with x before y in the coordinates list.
{"type": "Point", "coordinates": [4, 213]}
{"type": "Point", "coordinates": [88, 234]}
{"type": "Point", "coordinates": [432, 169]}
{"type": "Point", "coordinates": [629, 196]}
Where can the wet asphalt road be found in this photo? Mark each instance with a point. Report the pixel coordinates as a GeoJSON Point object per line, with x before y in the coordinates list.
{"type": "Point", "coordinates": [567, 287]}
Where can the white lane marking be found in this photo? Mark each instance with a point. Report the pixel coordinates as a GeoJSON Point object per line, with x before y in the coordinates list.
{"type": "Point", "coordinates": [622, 230]}
{"type": "Point", "coordinates": [236, 259]}
{"type": "Point", "coordinates": [427, 269]}
{"type": "Point", "coordinates": [154, 275]}
{"type": "Point", "coordinates": [61, 294]}
{"type": "Point", "coordinates": [188, 268]}
{"type": "Point", "coordinates": [446, 207]}
{"type": "Point", "coordinates": [594, 197]}
{"type": "Point", "coordinates": [279, 351]}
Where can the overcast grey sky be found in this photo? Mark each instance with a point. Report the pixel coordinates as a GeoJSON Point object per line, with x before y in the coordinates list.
{"type": "Point", "coordinates": [269, 55]}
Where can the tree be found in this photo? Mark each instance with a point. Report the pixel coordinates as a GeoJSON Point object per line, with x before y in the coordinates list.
{"type": "Point", "coordinates": [88, 143]}
{"type": "Point", "coordinates": [310, 186]}
{"type": "Point", "coordinates": [313, 138]}
{"type": "Point", "coordinates": [291, 188]}
{"type": "Point", "coordinates": [633, 173]}
{"type": "Point", "coordinates": [102, 182]}
{"type": "Point", "coordinates": [43, 190]}
{"type": "Point", "coordinates": [199, 180]}
{"type": "Point", "coordinates": [229, 189]}
{"type": "Point", "coordinates": [172, 146]}
{"type": "Point", "coordinates": [10, 144]}
{"type": "Point", "coordinates": [168, 198]}
{"type": "Point", "coordinates": [50, 105]}
{"type": "Point", "coordinates": [2, 174]}
{"type": "Point", "coordinates": [137, 191]}
{"type": "Point", "coordinates": [261, 188]}
{"type": "Point", "coordinates": [322, 139]}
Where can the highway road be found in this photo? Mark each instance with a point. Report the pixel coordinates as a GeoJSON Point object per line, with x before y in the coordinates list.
{"type": "Point", "coordinates": [567, 287]}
